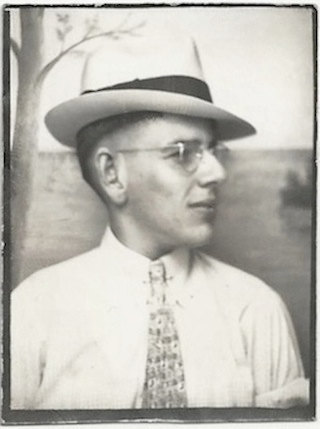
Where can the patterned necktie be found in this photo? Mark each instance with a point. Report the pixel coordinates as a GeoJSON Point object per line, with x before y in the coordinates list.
{"type": "Point", "coordinates": [164, 385]}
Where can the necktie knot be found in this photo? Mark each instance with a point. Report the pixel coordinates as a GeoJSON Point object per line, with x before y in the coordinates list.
{"type": "Point", "coordinates": [157, 272]}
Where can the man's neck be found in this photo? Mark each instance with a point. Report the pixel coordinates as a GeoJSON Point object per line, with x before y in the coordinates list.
{"type": "Point", "coordinates": [137, 241]}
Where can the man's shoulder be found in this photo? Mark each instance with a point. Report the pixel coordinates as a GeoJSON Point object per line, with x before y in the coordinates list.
{"type": "Point", "coordinates": [62, 277]}
{"type": "Point", "coordinates": [235, 284]}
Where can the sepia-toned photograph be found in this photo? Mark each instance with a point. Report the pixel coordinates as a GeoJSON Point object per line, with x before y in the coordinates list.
{"type": "Point", "coordinates": [159, 213]}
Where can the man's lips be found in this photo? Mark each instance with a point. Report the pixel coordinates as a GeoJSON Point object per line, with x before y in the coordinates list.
{"type": "Point", "coordinates": [206, 204]}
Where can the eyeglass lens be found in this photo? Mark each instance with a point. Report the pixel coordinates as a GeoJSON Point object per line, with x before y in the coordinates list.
{"type": "Point", "coordinates": [191, 154]}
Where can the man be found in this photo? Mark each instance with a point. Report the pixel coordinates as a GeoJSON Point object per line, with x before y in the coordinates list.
{"type": "Point", "coordinates": [146, 320]}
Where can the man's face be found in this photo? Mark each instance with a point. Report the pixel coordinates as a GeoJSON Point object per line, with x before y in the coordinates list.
{"type": "Point", "coordinates": [170, 205]}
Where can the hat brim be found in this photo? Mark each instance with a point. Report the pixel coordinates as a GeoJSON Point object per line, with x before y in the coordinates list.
{"type": "Point", "coordinates": [67, 119]}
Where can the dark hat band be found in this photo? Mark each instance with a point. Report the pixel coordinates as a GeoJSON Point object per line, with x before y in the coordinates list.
{"type": "Point", "coordinates": [178, 84]}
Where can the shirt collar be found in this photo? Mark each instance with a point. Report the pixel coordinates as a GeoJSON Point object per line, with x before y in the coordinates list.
{"type": "Point", "coordinates": [136, 266]}
{"type": "Point", "coordinates": [122, 256]}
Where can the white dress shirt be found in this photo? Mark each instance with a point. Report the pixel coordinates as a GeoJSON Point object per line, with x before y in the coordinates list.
{"type": "Point", "coordinates": [79, 332]}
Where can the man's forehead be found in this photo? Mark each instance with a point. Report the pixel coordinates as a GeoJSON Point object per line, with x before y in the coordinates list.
{"type": "Point", "coordinates": [180, 126]}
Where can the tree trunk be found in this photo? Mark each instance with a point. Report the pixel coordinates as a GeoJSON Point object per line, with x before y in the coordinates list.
{"type": "Point", "coordinates": [24, 149]}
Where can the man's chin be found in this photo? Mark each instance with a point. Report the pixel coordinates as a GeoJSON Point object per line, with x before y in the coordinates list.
{"type": "Point", "coordinates": [201, 237]}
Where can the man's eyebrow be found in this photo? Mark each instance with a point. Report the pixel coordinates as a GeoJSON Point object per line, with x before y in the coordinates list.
{"type": "Point", "coordinates": [177, 141]}
{"type": "Point", "coordinates": [212, 142]}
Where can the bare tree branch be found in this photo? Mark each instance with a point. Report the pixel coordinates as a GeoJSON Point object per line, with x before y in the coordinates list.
{"type": "Point", "coordinates": [131, 30]}
{"type": "Point", "coordinates": [115, 33]}
{"type": "Point", "coordinates": [123, 22]}
{"type": "Point", "coordinates": [15, 48]}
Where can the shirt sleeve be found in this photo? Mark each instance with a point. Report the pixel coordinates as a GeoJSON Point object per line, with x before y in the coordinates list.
{"type": "Point", "coordinates": [271, 346]}
{"type": "Point", "coordinates": [26, 340]}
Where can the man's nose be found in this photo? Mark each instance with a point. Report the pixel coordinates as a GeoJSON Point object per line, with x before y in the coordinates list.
{"type": "Point", "coordinates": [210, 170]}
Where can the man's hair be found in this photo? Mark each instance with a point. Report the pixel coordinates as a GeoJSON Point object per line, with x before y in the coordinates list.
{"type": "Point", "coordinates": [89, 137]}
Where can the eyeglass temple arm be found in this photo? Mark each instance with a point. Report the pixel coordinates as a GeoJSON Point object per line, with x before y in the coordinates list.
{"type": "Point", "coordinates": [149, 149]}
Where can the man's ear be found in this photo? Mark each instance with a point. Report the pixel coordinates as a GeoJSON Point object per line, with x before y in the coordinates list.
{"type": "Point", "coordinates": [111, 179]}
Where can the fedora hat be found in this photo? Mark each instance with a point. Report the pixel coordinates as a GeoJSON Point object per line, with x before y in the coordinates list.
{"type": "Point", "coordinates": [142, 74]}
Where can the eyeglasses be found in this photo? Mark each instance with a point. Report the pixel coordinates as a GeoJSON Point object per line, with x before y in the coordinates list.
{"type": "Point", "coordinates": [188, 154]}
